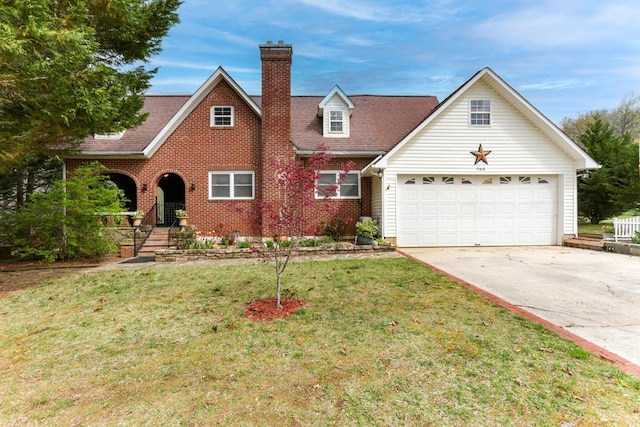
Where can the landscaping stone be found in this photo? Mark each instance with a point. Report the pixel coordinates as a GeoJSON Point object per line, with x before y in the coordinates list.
{"type": "Point", "coordinates": [173, 255]}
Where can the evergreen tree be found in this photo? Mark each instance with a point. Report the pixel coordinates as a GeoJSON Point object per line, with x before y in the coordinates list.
{"type": "Point", "coordinates": [613, 188]}
{"type": "Point", "coordinates": [69, 68]}
{"type": "Point", "coordinates": [68, 221]}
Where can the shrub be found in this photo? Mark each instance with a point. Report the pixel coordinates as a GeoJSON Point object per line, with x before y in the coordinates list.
{"type": "Point", "coordinates": [367, 228]}
{"type": "Point", "coordinates": [309, 243]}
{"type": "Point", "coordinates": [335, 229]}
{"type": "Point", "coordinates": [66, 223]}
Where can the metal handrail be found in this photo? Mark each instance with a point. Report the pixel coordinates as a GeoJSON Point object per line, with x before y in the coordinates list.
{"type": "Point", "coordinates": [142, 232]}
{"type": "Point", "coordinates": [170, 212]}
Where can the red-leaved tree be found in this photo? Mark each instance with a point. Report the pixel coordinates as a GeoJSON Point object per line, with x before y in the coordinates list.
{"type": "Point", "coordinates": [285, 220]}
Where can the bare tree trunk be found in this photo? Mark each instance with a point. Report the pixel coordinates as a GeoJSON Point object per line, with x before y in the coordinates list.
{"type": "Point", "coordinates": [19, 188]}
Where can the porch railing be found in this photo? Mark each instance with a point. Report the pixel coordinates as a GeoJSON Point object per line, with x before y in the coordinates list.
{"type": "Point", "coordinates": [626, 228]}
{"type": "Point", "coordinates": [145, 228]}
{"type": "Point", "coordinates": [170, 215]}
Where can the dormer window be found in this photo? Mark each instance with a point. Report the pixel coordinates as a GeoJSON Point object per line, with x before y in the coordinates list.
{"type": "Point", "coordinates": [110, 135]}
{"type": "Point", "coordinates": [336, 121]}
{"type": "Point", "coordinates": [480, 112]}
{"type": "Point", "coordinates": [221, 116]}
{"type": "Point", "coordinates": [335, 110]}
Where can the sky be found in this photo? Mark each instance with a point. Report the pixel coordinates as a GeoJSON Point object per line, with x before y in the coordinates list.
{"type": "Point", "coordinates": [566, 57]}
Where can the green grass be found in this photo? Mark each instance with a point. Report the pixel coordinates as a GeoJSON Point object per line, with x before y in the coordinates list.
{"type": "Point", "coordinates": [379, 342]}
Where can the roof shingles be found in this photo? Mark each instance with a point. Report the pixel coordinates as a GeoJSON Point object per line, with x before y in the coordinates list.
{"type": "Point", "coordinates": [161, 109]}
{"type": "Point", "coordinates": [377, 124]}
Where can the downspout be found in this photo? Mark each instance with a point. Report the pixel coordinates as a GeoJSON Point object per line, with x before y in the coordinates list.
{"type": "Point", "coordinates": [383, 224]}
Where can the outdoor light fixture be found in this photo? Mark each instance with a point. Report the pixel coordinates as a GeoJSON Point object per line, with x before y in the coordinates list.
{"type": "Point", "coordinates": [144, 187]}
{"type": "Point", "coordinates": [380, 173]}
{"type": "Point", "coordinates": [193, 186]}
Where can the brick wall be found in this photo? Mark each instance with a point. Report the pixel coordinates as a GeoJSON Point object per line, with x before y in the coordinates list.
{"type": "Point", "coordinates": [276, 118]}
{"type": "Point", "coordinates": [252, 144]}
{"type": "Point", "coordinates": [194, 149]}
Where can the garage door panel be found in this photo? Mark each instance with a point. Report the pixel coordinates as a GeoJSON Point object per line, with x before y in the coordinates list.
{"type": "Point", "coordinates": [468, 209]}
{"type": "Point", "coordinates": [544, 208]}
{"type": "Point", "coordinates": [447, 209]}
{"type": "Point", "coordinates": [429, 210]}
{"type": "Point", "coordinates": [409, 210]}
{"type": "Point", "coordinates": [477, 210]}
{"type": "Point", "coordinates": [448, 194]}
{"type": "Point", "coordinates": [428, 194]}
{"type": "Point", "coordinates": [485, 209]}
{"type": "Point", "coordinates": [428, 226]}
{"type": "Point", "coordinates": [409, 194]}
{"type": "Point", "coordinates": [467, 225]}
{"type": "Point", "coordinates": [468, 194]}
{"type": "Point", "coordinates": [525, 208]}
{"type": "Point", "coordinates": [447, 225]}
{"type": "Point", "coordinates": [506, 209]}
{"type": "Point", "coordinates": [506, 195]}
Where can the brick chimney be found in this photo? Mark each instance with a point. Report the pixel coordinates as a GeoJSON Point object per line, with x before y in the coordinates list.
{"type": "Point", "coordinates": [276, 115]}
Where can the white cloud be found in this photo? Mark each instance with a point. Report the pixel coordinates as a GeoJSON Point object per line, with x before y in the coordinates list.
{"type": "Point", "coordinates": [560, 84]}
{"type": "Point", "coordinates": [553, 24]}
{"type": "Point", "coordinates": [388, 11]}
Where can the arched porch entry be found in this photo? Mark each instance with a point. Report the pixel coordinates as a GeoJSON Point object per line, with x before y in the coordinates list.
{"type": "Point", "coordinates": [170, 197]}
{"type": "Point", "coordinates": [127, 186]}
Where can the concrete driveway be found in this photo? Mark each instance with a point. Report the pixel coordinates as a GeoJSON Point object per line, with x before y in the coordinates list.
{"type": "Point", "coordinates": [594, 295]}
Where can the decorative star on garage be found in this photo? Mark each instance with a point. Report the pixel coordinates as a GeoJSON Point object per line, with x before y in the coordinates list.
{"type": "Point", "coordinates": [481, 155]}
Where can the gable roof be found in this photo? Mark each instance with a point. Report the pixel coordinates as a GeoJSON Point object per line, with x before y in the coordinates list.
{"type": "Point", "coordinates": [335, 91]}
{"type": "Point", "coordinates": [582, 160]}
{"type": "Point", "coordinates": [165, 115]}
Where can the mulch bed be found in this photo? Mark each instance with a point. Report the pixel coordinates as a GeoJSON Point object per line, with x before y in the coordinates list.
{"type": "Point", "coordinates": [265, 309]}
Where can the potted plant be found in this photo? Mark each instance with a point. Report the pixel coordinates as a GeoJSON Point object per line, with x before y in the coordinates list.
{"type": "Point", "coordinates": [136, 218]}
{"type": "Point", "coordinates": [366, 231]}
{"type": "Point", "coordinates": [181, 214]}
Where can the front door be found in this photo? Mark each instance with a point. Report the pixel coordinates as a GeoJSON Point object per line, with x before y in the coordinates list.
{"type": "Point", "coordinates": [170, 197]}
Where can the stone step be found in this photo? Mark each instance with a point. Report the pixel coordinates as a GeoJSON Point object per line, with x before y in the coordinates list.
{"type": "Point", "coordinates": [157, 240]}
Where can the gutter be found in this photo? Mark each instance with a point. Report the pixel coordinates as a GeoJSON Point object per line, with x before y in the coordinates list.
{"type": "Point", "coordinates": [344, 153]}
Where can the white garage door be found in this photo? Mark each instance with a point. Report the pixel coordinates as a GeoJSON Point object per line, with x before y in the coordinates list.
{"type": "Point", "coordinates": [477, 210]}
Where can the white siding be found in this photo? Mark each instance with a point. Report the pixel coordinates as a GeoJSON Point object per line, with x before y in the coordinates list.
{"type": "Point", "coordinates": [376, 198]}
{"type": "Point", "coordinates": [335, 104]}
{"type": "Point", "coordinates": [517, 148]}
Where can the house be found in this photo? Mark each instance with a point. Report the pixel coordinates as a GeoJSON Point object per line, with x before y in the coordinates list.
{"type": "Point", "coordinates": [483, 167]}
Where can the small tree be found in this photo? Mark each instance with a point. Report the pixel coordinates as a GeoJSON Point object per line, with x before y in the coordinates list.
{"type": "Point", "coordinates": [286, 220]}
{"type": "Point", "coordinates": [65, 222]}
{"type": "Point", "coordinates": [614, 188]}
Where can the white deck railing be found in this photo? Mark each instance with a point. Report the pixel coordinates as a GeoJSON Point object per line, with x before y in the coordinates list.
{"type": "Point", "coordinates": [626, 228]}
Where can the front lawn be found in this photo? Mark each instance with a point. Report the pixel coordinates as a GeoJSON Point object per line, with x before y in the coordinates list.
{"type": "Point", "coordinates": [379, 342]}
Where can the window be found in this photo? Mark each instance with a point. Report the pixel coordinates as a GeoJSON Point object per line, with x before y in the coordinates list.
{"type": "Point", "coordinates": [505, 180]}
{"type": "Point", "coordinates": [480, 112]}
{"type": "Point", "coordinates": [428, 180]}
{"type": "Point", "coordinates": [328, 185]}
{"type": "Point", "coordinates": [466, 181]}
{"type": "Point", "coordinates": [336, 122]}
{"type": "Point", "coordinates": [110, 135]}
{"type": "Point", "coordinates": [221, 116]}
{"type": "Point", "coordinates": [525, 180]}
{"type": "Point", "coordinates": [231, 185]}
{"type": "Point", "coordinates": [448, 180]}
